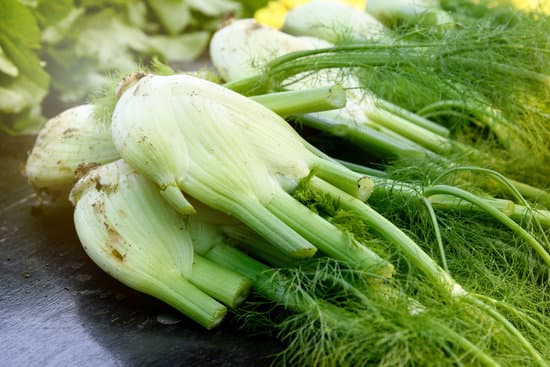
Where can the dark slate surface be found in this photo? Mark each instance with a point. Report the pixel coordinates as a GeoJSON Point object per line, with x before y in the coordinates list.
{"type": "Point", "coordinates": [58, 309]}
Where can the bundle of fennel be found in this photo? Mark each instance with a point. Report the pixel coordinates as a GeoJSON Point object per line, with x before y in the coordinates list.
{"type": "Point", "coordinates": [194, 194]}
{"type": "Point", "coordinates": [216, 187]}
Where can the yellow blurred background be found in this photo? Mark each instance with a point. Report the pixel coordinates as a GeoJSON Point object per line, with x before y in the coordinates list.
{"type": "Point", "coordinates": [274, 13]}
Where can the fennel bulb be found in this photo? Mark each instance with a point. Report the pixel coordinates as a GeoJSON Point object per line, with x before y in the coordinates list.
{"type": "Point", "coordinates": [234, 155]}
{"type": "Point", "coordinates": [131, 233]}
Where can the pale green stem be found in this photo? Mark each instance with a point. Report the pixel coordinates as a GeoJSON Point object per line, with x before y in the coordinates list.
{"type": "Point", "coordinates": [237, 261]}
{"type": "Point", "coordinates": [465, 195]}
{"type": "Point", "coordinates": [517, 189]}
{"type": "Point", "coordinates": [363, 136]}
{"type": "Point", "coordinates": [174, 196]}
{"type": "Point", "coordinates": [415, 255]}
{"type": "Point", "coordinates": [353, 183]}
{"type": "Point", "coordinates": [413, 117]}
{"type": "Point", "coordinates": [507, 207]}
{"type": "Point", "coordinates": [226, 286]}
{"type": "Point", "coordinates": [534, 193]}
{"type": "Point", "coordinates": [251, 86]}
{"type": "Point", "coordinates": [432, 141]}
{"type": "Point", "coordinates": [438, 238]}
{"type": "Point", "coordinates": [362, 169]}
{"type": "Point", "coordinates": [328, 238]}
{"type": "Point", "coordinates": [257, 247]}
{"type": "Point", "coordinates": [279, 234]}
{"type": "Point", "coordinates": [522, 212]}
{"type": "Point", "coordinates": [303, 101]}
{"type": "Point", "coordinates": [189, 300]}
{"type": "Point", "coordinates": [517, 212]}
{"type": "Point", "coordinates": [462, 115]}
{"type": "Point", "coordinates": [261, 278]}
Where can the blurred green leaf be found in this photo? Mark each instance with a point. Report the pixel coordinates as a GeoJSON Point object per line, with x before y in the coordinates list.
{"type": "Point", "coordinates": [49, 12]}
{"type": "Point", "coordinates": [56, 32]}
{"type": "Point", "coordinates": [174, 15]}
{"type": "Point", "coordinates": [25, 122]}
{"type": "Point", "coordinates": [19, 93]}
{"type": "Point", "coordinates": [24, 82]}
{"type": "Point", "coordinates": [111, 41]}
{"type": "Point", "coordinates": [215, 8]}
{"type": "Point", "coordinates": [185, 47]}
{"type": "Point", "coordinates": [18, 24]}
{"type": "Point", "coordinates": [6, 65]}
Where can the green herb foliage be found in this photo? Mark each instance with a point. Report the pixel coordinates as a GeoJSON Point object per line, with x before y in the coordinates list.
{"type": "Point", "coordinates": [356, 318]}
{"type": "Point", "coordinates": [487, 79]}
{"type": "Point", "coordinates": [23, 82]}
